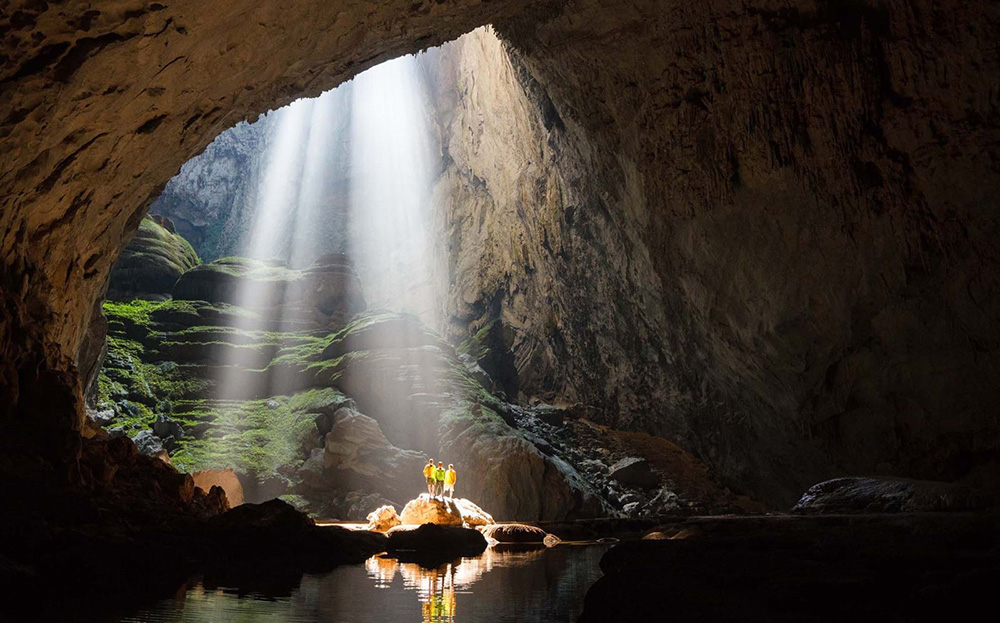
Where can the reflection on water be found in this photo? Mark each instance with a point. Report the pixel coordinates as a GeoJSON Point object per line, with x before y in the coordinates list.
{"type": "Point", "coordinates": [436, 587]}
{"type": "Point", "coordinates": [538, 585]}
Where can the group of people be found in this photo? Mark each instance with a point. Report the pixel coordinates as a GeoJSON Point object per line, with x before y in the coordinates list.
{"type": "Point", "coordinates": [440, 481]}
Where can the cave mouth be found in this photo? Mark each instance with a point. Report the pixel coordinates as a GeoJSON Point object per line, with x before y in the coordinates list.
{"type": "Point", "coordinates": [289, 319]}
{"type": "Point", "coordinates": [763, 232]}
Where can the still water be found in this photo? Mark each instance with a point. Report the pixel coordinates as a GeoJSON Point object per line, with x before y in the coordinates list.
{"type": "Point", "coordinates": [538, 585]}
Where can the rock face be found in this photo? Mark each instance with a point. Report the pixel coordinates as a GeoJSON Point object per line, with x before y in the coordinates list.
{"type": "Point", "coordinates": [357, 454]}
{"type": "Point", "coordinates": [152, 263]}
{"type": "Point", "coordinates": [771, 240]}
{"type": "Point", "coordinates": [892, 495]}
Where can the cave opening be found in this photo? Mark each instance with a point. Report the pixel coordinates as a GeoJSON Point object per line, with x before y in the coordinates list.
{"type": "Point", "coordinates": [712, 283]}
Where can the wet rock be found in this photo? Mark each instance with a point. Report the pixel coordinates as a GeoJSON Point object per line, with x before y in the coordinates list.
{"type": "Point", "coordinates": [514, 533]}
{"type": "Point", "coordinates": [892, 495]}
{"type": "Point", "coordinates": [634, 472]}
{"type": "Point", "coordinates": [383, 518]}
{"type": "Point", "coordinates": [436, 539]}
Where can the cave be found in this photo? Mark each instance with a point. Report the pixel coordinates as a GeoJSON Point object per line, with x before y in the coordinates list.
{"type": "Point", "coordinates": [710, 287]}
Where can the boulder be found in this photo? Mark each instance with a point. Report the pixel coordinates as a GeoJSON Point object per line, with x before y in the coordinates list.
{"type": "Point", "coordinates": [165, 427]}
{"type": "Point", "coordinates": [383, 518]}
{"type": "Point", "coordinates": [472, 515]}
{"type": "Point", "coordinates": [426, 509]}
{"type": "Point", "coordinates": [226, 479]}
{"type": "Point", "coordinates": [514, 533]}
{"type": "Point", "coordinates": [634, 472]}
{"type": "Point", "coordinates": [892, 495]}
{"type": "Point", "coordinates": [148, 443]}
{"type": "Point", "coordinates": [435, 539]}
{"type": "Point", "coordinates": [272, 515]}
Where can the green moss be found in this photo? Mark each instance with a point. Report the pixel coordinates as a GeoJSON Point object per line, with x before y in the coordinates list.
{"type": "Point", "coordinates": [255, 437]}
{"type": "Point", "coordinates": [476, 346]}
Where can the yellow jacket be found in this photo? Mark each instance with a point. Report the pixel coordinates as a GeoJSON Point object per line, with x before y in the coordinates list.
{"type": "Point", "coordinates": [428, 471]}
{"type": "Point", "coordinates": [449, 477]}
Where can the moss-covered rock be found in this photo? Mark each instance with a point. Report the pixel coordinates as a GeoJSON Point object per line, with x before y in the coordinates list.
{"type": "Point", "coordinates": [327, 293]}
{"type": "Point", "coordinates": [152, 263]}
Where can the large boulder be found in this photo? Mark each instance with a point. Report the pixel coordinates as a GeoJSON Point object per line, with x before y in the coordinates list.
{"type": "Point", "coordinates": [152, 263]}
{"type": "Point", "coordinates": [634, 472]}
{"type": "Point", "coordinates": [436, 539]}
{"type": "Point", "coordinates": [426, 509]}
{"type": "Point", "coordinates": [272, 515]}
{"type": "Point", "coordinates": [472, 515]}
{"type": "Point", "coordinates": [383, 518]}
{"type": "Point", "coordinates": [514, 533]}
{"type": "Point", "coordinates": [892, 495]}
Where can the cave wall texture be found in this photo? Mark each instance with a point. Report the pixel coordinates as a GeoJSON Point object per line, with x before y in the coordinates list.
{"type": "Point", "coordinates": [765, 229]}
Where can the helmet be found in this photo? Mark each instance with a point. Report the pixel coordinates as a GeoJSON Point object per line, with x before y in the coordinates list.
{"type": "Point", "coordinates": [450, 466]}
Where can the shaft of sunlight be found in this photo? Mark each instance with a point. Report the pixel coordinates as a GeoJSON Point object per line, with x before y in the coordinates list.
{"type": "Point", "coordinates": [392, 179]}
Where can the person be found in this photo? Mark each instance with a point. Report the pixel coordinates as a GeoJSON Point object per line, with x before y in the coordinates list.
{"type": "Point", "coordinates": [429, 476]}
{"type": "Point", "coordinates": [439, 478]}
{"type": "Point", "coordinates": [449, 481]}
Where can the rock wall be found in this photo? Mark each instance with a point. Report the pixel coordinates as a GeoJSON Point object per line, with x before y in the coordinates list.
{"type": "Point", "coordinates": [781, 250]}
{"type": "Point", "coordinates": [764, 229]}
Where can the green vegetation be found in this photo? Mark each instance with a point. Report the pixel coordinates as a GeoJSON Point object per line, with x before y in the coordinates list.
{"type": "Point", "coordinates": [476, 346]}
{"type": "Point", "coordinates": [256, 437]}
